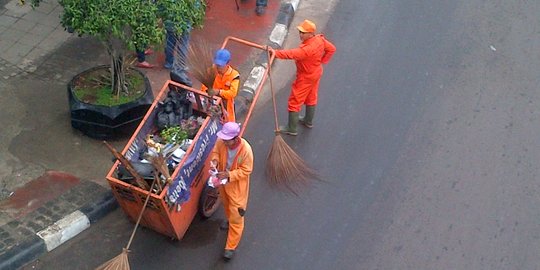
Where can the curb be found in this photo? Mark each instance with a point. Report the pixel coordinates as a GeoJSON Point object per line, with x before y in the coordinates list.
{"type": "Point", "coordinates": [58, 233]}
{"type": "Point", "coordinates": [277, 37]}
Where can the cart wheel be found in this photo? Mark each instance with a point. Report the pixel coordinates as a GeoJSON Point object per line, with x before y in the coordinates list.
{"type": "Point", "coordinates": [209, 201]}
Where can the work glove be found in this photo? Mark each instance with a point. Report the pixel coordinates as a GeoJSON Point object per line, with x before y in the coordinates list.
{"type": "Point", "coordinates": [212, 92]}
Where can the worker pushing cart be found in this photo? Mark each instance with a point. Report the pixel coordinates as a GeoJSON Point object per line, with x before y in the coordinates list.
{"type": "Point", "coordinates": [232, 157]}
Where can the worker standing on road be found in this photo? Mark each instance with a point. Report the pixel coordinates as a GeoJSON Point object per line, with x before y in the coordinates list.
{"type": "Point", "coordinates": [233, 158]}
{"type": "Point", "coordinates": [226, 82]}
{"type": "Point", "coordinates": [314, 51]}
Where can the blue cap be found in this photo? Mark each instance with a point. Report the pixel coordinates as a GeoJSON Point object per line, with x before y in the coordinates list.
{"type": "Point", "coordinates": [222, 57]}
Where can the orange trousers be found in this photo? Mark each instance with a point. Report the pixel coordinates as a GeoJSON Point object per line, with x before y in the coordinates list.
{"type": "Point", "coordinates": [236, 221]}
{"type": "Point", "coordinates": [304, 91]}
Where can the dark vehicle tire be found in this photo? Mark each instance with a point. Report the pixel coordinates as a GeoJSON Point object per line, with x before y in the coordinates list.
{"type": "Point", "coordinates": [209, 201]}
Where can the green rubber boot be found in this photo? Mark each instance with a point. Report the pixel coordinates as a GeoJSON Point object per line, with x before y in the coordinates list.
{"type": "Point", "coordinates": [307, 121]}
{"type": "Point", "coordinates": [291, 128]}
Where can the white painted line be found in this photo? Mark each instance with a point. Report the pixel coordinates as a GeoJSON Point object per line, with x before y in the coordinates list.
{"type": "Point", "coordinates": [278, 34]}
{"type": "Point", "coordinates": [64, 229]}
{"type": "Point", "coordinates": [255, 77]}
{"type": "Point", "coordinates": [294, 4]}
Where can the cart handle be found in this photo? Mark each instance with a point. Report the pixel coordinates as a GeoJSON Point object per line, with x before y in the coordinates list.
{"type": "Point", "coordinates": [265, 74]}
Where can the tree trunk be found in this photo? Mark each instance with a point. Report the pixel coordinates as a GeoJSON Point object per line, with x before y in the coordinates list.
{"type": "Point", "coordinates": [118, 68]}
{"type": "Point", "coordinates": [118, 74]}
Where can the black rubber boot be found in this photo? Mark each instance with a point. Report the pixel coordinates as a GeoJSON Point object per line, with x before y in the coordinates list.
{"type": "Point", "coordinates": [228, 254]}
{"type": "Point", "coordinates": [292, 126]}
{"type": "Point", "coordinates": [307, 120]}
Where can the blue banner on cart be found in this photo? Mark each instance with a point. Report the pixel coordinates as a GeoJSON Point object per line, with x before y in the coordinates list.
{"type": "Point", "coordinates": [179, 189]}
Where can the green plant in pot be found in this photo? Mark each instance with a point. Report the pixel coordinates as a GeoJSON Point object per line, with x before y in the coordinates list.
{"type": "Point", "coordinates": [125, 25]}
{"type": "Point", "coordinates": [122, 26]}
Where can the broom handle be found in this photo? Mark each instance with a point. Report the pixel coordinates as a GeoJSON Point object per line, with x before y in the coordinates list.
{"type": "Point", "coordinates": [141, 214]}
{"type": "Point", "coordinates": [272, 91]}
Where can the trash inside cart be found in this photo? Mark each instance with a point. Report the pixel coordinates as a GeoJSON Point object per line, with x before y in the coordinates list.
{"type": "Point", "coordinates": [181, 125]}
{"type": "Point", "coordinates": [181, 128]}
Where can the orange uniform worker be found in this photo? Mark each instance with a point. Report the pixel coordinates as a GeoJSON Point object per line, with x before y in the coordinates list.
{"type": "Point", "coordinates": [233, 158]}
{"type": "Point", "coordinates": [314, 51]}
{"type": "Point", "coordinates": [226, 82]}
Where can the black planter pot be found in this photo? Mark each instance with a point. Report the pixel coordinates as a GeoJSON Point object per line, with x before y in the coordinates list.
{"type": "Point", "coordinates": [104, 122]}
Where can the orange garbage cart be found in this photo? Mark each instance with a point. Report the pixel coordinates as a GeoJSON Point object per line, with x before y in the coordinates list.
{"type": "Point", "coordinates": [173, 205]}
{"type": "Point", "coordinates": [170, 211]}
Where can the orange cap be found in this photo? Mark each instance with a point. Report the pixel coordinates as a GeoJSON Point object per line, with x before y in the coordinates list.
{"type": "Point", "coordinates": [307, 26]}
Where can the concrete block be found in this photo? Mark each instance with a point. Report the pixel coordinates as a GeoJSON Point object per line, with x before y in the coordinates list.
{"type": "Point", "coordinates": [64, 229]}
{"type": "Point", "coordinates": [279, 33]}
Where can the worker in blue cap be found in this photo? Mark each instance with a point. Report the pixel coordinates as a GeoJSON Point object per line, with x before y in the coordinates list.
{"type": "Point", "coordinates": [226, 82]}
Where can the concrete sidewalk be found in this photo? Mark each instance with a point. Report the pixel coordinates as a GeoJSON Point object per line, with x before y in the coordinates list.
{"type": "Point", "coordinates": [52, 182]}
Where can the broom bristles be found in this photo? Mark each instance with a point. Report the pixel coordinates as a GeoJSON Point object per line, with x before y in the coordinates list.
{"type": "Point", "coordinates": [119, 262]}
{"type": "Point", "coordinates": [287, 170]}
{"type": "Point", "coordinates": [199, 61]}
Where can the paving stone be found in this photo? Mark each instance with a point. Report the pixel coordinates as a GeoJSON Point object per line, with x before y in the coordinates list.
{"type": "Point", "coordinates": [57, 12]}
{"type": "Point", "coordinates": [12, 34]}
{"type": "Point", "coordinates": [56, 217]}
{"type": "Point", "coordinates": [14, 224]}
{"type": "Point", "coordinates": [22, 49]}
{"type": "Point", "coordinates": [46, 7]}
{"type": "Point", "coordinates": [23, 231]}
{"type": "Point", "coordinates": [53, 41]}
{"type": "Point", "coordinates": [32, 40]}
{"type": "Point", "coordinates": [15, 10]}
{"type": "Point", "coordinates": [34, 226]}
{"type": "Point", "coordinates": [36, 17]}
{"type": "Point", "coordinates": [42, 30]}
{"type": "Point", "coordinates": [42, 18]}
{"type": "Point", "coordinates": [7, 21]}
{"type": "Point", "coordinates": [6, 44]}
{"type": "Point", "coordinates": [9, 241]}
{"type": "Point", "coordinates": [35, 58]}
{"type": "Point", "coordinates": [23, 25]}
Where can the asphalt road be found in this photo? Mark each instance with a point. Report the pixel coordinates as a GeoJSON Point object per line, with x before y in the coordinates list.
{"type": "Point", "coordinates": [426, 133]}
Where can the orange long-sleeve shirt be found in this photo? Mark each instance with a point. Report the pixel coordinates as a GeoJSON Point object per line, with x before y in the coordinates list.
{"type": "Point", "coordinates": [228, 84]}
{"type": "Point", "coordinates": [237, 188]}
{"type": "Point", "coordinates": [310, 56]}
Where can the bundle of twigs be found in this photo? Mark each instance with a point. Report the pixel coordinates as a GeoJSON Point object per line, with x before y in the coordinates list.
{"type": "Point", "coordinates": [121, 261]}
{"type": "Point", "coordinates": [199, 62]}
{"type": "Point", "coordinates": [284, 168]}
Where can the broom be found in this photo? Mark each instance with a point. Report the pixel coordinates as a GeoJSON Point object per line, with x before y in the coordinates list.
{"type": "Point", "coordinates": [199, 62]}
{"type": "Point", "coordinates": [121, 262]}
{"type": "Point", "coordinates": [284, 168]}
